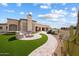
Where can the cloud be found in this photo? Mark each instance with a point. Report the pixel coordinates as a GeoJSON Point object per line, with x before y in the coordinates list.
{"type": "Point", "coordinates": [19, 4]}
{"type": "Point", "coordinates": [22, 13]}
{"type": "Point", "coordinates": [66, 8]}
{"type": "Point", "coordinates": [74, 14]}
{"type": "Point", "coordinates": [59, 12]}
{"type": "Point", "coordinates": [35, 4]}
{"type": "Point", "coordinates": [63, 4]}
{"type": "Point", "coordinates": [55, 14]}
{"type": "Point", "coordinates": [73, 22]}
{"type": "Point", "coordinates": [74, 9]}
{"type": "Point", "coordinates": [53, 17]}
{"type": "Point", "coordinates": [10, 11]}
{"type": "Point", "coordinates": [30, 13]}
{"type": "Point", "coordinates": [3, 20]}
{"type": "Point", "coordinates": [46, 6]}
{"type": "Point", "coordinates": [46, 16]}
{"type": "Point", "coordinates": [59, 17]}
{"type": "Point", "coordinates": [4, 4]}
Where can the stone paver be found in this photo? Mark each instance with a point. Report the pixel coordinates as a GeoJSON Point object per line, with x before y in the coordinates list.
{"type": "Point", "coordinates": [46, 49]}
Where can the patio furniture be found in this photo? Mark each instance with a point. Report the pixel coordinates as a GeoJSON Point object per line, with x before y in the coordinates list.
{"type": "Point", "coordinates": [20, 35]}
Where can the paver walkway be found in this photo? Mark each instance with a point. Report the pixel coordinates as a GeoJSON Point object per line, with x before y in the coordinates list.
{"type": "Point", "coordinates": [46, 49]}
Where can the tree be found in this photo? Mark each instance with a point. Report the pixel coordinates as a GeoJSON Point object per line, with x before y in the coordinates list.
{"type": "Point", "coordinates": [77, 30]}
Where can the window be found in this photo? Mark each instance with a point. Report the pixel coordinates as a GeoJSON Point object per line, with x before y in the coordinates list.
{"type": "Point", "coordinates": [13, 27]}
{"type": "Point", "coordinates": [43, 29]}
{"type": "Point", "coordinates": [0, 27]}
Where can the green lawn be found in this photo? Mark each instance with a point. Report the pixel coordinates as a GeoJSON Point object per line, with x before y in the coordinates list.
{"type": "Point", "coordinates": [12, 47]}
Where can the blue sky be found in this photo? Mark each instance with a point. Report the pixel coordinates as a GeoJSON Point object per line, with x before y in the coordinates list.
{"type": "Point", "coordinates": [53, 14]}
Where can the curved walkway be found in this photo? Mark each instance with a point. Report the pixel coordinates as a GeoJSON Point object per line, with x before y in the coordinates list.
{"type": "Point", "coordinates": [48, 48]}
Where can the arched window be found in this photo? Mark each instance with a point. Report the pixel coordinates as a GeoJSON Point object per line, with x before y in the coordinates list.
{"type": "Point", "coordinates": [43, 29]}
{"type": "Point", "coordinates": [13, 27]}
{"type": "Point", "coordinates": [1, 28]}
{"type": "Point", "coordinates": [36, 28]}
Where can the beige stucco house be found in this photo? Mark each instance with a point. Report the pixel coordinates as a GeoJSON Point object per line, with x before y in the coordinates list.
{"type": "Point", "coordinates": [28, 24]}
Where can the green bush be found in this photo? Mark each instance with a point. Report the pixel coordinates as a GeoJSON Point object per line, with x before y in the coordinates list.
{"type": "Point", "coordinates": [10, 33]}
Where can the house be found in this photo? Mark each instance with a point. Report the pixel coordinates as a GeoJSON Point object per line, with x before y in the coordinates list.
{"type": "Point", "coordinates": [23, 25]}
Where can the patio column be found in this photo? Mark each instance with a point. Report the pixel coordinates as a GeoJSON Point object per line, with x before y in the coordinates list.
{"type": "Point", "coordinates": [41, 29]}
{"type": "Point", "coordinates": [45, 29]}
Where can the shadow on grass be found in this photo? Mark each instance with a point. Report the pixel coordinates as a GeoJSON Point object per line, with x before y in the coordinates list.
{"type": "Point", "coordinates": [9, 33]}
{"type": "Point", "coordinates": [12, 38]}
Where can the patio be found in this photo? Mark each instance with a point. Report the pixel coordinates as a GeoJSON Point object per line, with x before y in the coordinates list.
{"type": "Point", "coordinates": [27, 35]}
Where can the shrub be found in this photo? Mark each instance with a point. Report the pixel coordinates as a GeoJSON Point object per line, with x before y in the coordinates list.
{"type": "Point", "coordinates": [9, 33]}
{"type": "Point", "coordinates": [51, 32]}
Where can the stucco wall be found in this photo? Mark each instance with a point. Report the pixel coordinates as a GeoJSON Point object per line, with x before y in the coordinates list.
{"type": "Point", "coordinates": [23, 25]}
{"type": "Point", "coordinates": [12, 21]}
{"type": "Point", "coordinates": [42, 26]}
{"type": "Point", "coordinates": [4, 29]}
